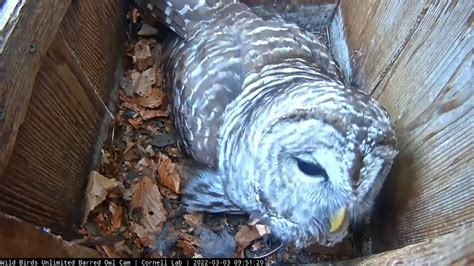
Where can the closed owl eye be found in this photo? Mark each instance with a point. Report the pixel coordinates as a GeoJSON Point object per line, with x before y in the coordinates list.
{"type": "Point", "coordinates": [311, 169]}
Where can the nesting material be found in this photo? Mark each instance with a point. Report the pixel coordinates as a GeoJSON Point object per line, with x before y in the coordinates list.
{"type": "Point", "coordinates": [134, 193]}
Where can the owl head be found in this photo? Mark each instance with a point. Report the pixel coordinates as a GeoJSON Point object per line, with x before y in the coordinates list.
{"type": "Point", "coordinates": [314, 157]}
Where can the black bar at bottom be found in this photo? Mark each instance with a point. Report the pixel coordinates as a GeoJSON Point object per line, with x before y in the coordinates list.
{"type": "Point", "coordinates": [131, 262]}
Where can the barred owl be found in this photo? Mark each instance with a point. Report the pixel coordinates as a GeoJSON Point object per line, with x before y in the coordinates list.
{"type": "Point", "coordinates": [263, 106]}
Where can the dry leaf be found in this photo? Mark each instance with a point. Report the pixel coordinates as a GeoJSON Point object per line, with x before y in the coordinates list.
{"type": "Point", "coordinates": [97, 189]}
{"type": "Point", "coordinates": [167, 193]}
{"type": "Point", "coordinates": [154, 99]}
{"type": "Point", "coordinates": [100, 218]}
{"type": "Point", "coordinates": [245, 236]}
{"type": "Point", "coordinates": [135, 15]}
{"type": "Point", "coordinates": [142, 56]}
{"type": "Point", "coordinates": [153, 129]}
{"type": "Point", "coordinates": [110, 252]}
{"type": "Point", "coordinates": [168, 174]}
{"type": "Point", "coordinates": [147, 196]}
{"type": "Point", "coordinates": [156, 53]}
{"type": "Point", "coordinates": [187, 243]}
{"type": "Point", "coordinates": [149, 114]}
{"type": "Point", "coordinates": [169, 127]}
{"type": "Point", "coordinates": [159, 77]}
{"type": "Point", "coordinates": [146, 237]}
{"type": "Point", "coordinates": [149, 150]}
{"type": "Point", "coordinates": [173, 151]}
{"type": "Point", "coordinates": [116, 221]}
{"type": "Point", "coordinates": [262, 229]}
{"type": "Point", "coordinates": [142, 83]}
{"type": "Point", "coordinates": [127, 86]}
{"type": "Point", "coordinates": [127, 103]}
{"type": "Point", "coordinates": [142, 50]}
{"type": "Point", "coordinates": [129, 148]}
{"type": "Point", "coordinates": [194, 219]}
{"type": "Point", "coordinates": [119, 248]}
{"type": "Point", "coordinates": [144, 161]}
{"type": "Point", "coordinates": [135, 122]}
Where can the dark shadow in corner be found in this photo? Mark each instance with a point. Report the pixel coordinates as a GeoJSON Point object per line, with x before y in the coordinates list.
{"type": "Point", "coordinates": [392, 201]}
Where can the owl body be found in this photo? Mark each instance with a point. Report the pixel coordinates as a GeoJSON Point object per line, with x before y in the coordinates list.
{"type": "Point", "coordinates": [262, 106]}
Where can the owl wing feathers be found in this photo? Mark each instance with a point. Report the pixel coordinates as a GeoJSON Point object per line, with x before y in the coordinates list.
{"type": "Point", "coordinates": [185, 17]}
{"type": "Point", "coordinates": [203, 79]}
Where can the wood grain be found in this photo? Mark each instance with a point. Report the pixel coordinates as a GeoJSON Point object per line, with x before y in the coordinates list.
{"type": "Point", "coordinates": [22, 240]}
{"type": "Point", "coordinates": [377, 32]}
{"type": "Point", "coordinates": [429, 92]}
{"type": "Point", "coordinates": [455, 248]}
{"type": "Point", "coordinates": [92, 29]}
{"type": "Point", "coordinates": [44, 180]}
{"type": "Point", "coordinates": [66, 118]}
{"type": "Point", "coordinates": [424, 80]}
{"type": "Point", "coordinates": [20, 60]}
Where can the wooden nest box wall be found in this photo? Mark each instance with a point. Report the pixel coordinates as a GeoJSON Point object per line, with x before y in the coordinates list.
{"type": "Point", "coordinates": [60, 68]}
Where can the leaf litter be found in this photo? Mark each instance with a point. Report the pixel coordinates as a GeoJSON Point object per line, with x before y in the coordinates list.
{"type": "Point", "coordinates": [137, 183]}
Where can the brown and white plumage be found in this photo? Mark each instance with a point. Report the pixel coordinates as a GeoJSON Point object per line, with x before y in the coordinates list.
{"type": "Point", "coordinates": [262, 105]}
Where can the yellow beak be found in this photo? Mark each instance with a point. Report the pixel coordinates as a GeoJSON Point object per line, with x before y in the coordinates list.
{"type": "Point", "coordinates": [337, 219]}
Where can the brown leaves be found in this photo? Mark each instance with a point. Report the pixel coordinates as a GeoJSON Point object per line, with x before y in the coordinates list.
{"type": "Point", "coordinates": [245, 236]}
{"type": "Point", "coordinates": [142, 88]}
{"type": "Point", "coordinates": [149, 114]}
{"type": "Point", "coordinates": [262, 229]}
{"type": "Point", "coordinates": [147, 196]}
{"type": "Point", "coordinates": [194, 219]}
{"type": "Point", "coordinates": [146, 237]}
{"type": "Point", "coordinates": [131, 205]}
{"type": "Point", "coordinates": [117, 212]}
{"type": "Point", "coordinates": [97, 190]}
{"type": "Point", "coordinates": [142, 82]}
{"type": "Point", "coordinates": [154, 99]}
{"type": "Point", "coordinates": [168, 174]}
{"type": "Point", "coordinates": [142, 55]}
{"type": "Point", "coordinates": [187, 243]}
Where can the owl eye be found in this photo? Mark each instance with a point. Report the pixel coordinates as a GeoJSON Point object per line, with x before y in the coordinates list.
{"type": "Point", "coordinates": [311, 169]}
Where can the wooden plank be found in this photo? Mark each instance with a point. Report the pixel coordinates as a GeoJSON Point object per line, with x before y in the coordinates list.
{"type": "Point", "coordinates": [23, 48]}
{"type": "Point", "coordinates": [97, 50]}
{"type": "Point", "coordinates": [377, 32]}
{"type": "Point", "coordinates": [22, 240]}
{"type": "Point", "coordinates": [62, 49]}
{"type": "Point", "coordinates": [44, 180]}
{"type": "Point", "coordinates": [425, 83]}
{"type": "Point", "coordinates": [67, 118]}
{"type": "Point", "coordinates": [429, 91]}
{"type": "Point", "coordinates": [95, 46]}
{"type": "Point", "coordinates": [456, 248]}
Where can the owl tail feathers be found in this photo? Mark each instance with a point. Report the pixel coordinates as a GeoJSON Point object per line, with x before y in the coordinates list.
{"type": "Point", "coordinates": [204, 192]}
{"type": "Point", "coordinates": [184, 17]}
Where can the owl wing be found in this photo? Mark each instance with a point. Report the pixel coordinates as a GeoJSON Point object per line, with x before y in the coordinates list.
{"type": "Point", "coordinates": [204, 76]}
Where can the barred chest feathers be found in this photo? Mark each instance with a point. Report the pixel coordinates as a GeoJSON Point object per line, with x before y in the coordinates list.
{"type": "Point", "coordinates": [263, 107]}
